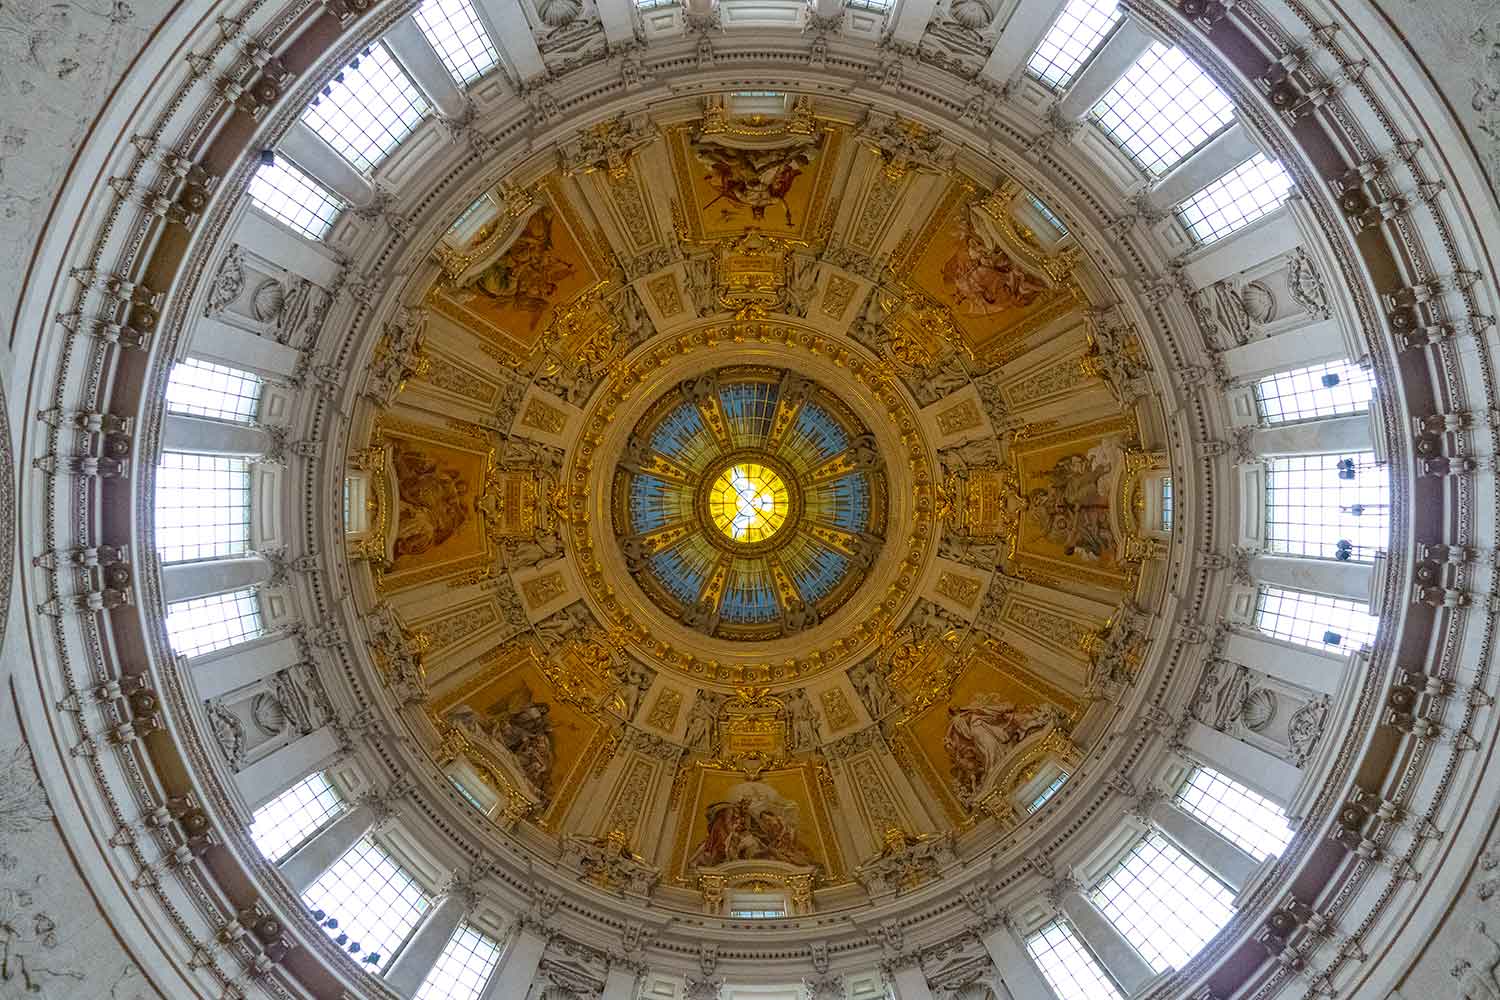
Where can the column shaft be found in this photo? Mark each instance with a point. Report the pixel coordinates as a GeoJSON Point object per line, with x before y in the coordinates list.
{"type": "Point", "coordinates": [212, 437]}
{"type": "Point", "coordinates": [303, 866]}
{"type": "Point", "coordinates": [620, 983]}
{"type": "Point", "coordinates": [1350, 580]}
{"type": "Point", "coordinates": [1318, 341]}
{"type": "Point", "coordinates": [1315, 437]}
{"type": "Point", "coordinates": [1266, 773]}
{"type": "Point", "coordinates": [183, 581]}
{"type": "Point", "coordinates": [425, 946]}
{"type": "Point", "coordinates": [1303, 667]}
{"type": "Point", "coordinates": [1245, 248]}
{"type": "Point", "coordinates": [1026, 28]}
{"type": "Point", "coordinates": [1118, 956]}
{"type": "Point", "coordinates": [1118, 53]}
{"type": "Point", "coordinates": [227, 670]}
{"type": "Point", "coordinates": [276, 772]}
{"type": "Point", "coordinates": [513, 977]}
{"type": "Point", "coordinates": [223, 343]}
{"type": "Point", "coordinates": [320, 161]}
{"type": "Point", "coordinates": [1205, 845]}
{"type": "Point", "coordinates": [911, 984]}
{"type": "Point", "coordinates": [425, 67]}
{"type": "Point", "coordinates": [1014, 966]}
{"type": "Point", "coordinates": [1213, 160]}
{"type": "Point", "coordinates": [512, 33]}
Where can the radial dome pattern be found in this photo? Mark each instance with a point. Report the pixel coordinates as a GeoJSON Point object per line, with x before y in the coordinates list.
{"type": "Point", "coordinates": [750, 503]}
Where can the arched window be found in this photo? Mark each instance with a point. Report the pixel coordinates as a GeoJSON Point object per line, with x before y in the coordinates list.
{"type": "Point", "coordinates": [367, 109]}
{"type": "Point", "coordinates": [1327, 506]}
{"type": "Point", "coordinates": [290, 196]}
{"type": "Point", "coordinates": [204, 624]}
{"type": "Point", "coordinates": [1332, 389]}
{"type": "Point", "coordinates": [204, 389]}
{"type": "Point", "coordinates": [202, 506]}
{"type": "Point", "coordinates": [369, 903]}
{"type": "Point", "coordinates": [1067, 964]}
{"type": "Point", "coordinates": [466, 964]}
{"type": "Point", "coordinates": [1330, 623]}
{"type": "Point", "coordinates": [287, 821]}
{"type": "Point", "coordinates": [1250, 820]}
{"type": "Point", "coordinates": [1162, 109]}
{"type": "Point", "coordinates": [1078, 31]}
{"type": "Point", "coordinates": [1165, 904]}
{"type": "Point", "coordinates": [453, 29]}
{"type": "Point", "coordinates": [1255, 188]}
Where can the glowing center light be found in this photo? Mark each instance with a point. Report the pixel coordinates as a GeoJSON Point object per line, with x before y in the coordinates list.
{"type": "Point", "coordinates": [748, 502]}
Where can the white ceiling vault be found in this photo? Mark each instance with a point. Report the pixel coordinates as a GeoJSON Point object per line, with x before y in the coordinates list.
{"type": "Point", "coordinates": [348, 652]}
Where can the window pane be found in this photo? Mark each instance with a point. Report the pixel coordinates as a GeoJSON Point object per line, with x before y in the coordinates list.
{"type": "Point", "coordinates": [1046, 793]}
{"type": "Point", "coordinates": [284, 824]}
{"type": "Point", "coordinates": [1162, 109]}
{"type": "Point", "coordinates": [202, 506]}
{"type": "Point", "coordinates": [463, 967]}
{"type": "Point", "coordinates": [367, 109]}
{"type": "Point", "coordinates": [1251, 820]}
{"type": "Point", "coordinates": [1330, 623]}
{"type": "Point", "coordinates": [1073, 37]}
{"type": "Point", "coordinates": [203, 389]}
{"type": "Point", "coordinates": [369, 903]}
{"type": "Point", "coordinates": [282, 191]}
{"type": "Point", "coordinates": [460, 40]}
{"type": "Point", "coordinates": [1327, 390]}
{"type": "Point", "coordinates": [1069, 967]}
{"type": "Point", "coordinates": [1165, 903]}
{"type": "Point", "coordinates": [1254, 188]}
{"type": "Point", "coordinates": [1048, 214]}
{"type": "Point", "coordinates": [879, 6]}
{"type": "Point", "coordinates": [205, 624]}
{"type": "Point", "coordinates": [1327, 506]}
{"type": "Point", "coordinates": [1166, 503]}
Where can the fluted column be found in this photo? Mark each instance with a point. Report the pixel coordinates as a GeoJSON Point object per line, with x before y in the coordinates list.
{"type": "Point", "coordinates": [422, 951]}
{"type": "Point", "coordinates": [518, 965]}
{"type": "Point", "coordinates": [184, 581]}
{"type": "Point", "coordinates": [1014, 965]}
{"type": "Point", "coordinates": [1199, 841]}
{"type": "Point", "coordinates": [1118, 53]}
{"type": "Point", "coordinates": [320, 161]}
{"type": "Point", "coordinates": [425, 67]}
{"type": "Point", "coordinates": [1116, 954]}
{"type": "Point", "coordinates": [305, 865]}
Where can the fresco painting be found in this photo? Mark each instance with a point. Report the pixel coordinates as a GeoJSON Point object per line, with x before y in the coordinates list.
{"type": "Point", "coordinates": [1066, 491]}
{"type": "Point", "coordinates": [769, 819]}
{"type": "Point", "coordinates": [437, 486]}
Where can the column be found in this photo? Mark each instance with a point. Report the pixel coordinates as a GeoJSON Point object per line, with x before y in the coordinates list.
{"type": "Point", "coordinates": [1118, 956]}
{"type": "Point", "coordinates": [911, 20]}
{"type": "Point", "coordinates": [276, 772]}
{"type": "Point", "coordinates": [1216, 158]}
{"type": "Point", "coordinates": [1014, 966]}
{"type": "Point", "coordinates": [1318, 341]}
{"type": "Point", "coordinates": [416, 55]}
{"type": "Point", "coordinates": [1266, 773]}
{"type": "Point", "coordinates": [212, 437]}
{"type": "Point", "coordinates": [226, 670]}
{"type": "Point", "coordinates": [1298, 665]}
{"type": "Point", "coordinates": [1204, 844]}
{"type": "Point", "coordinates": [1271, 236]}
{"type": "Point", "coordinates": [305, 865]}
{"type": "Point", "coordinates": [518, 965]}
{"type": "Point", "coordinates": [1350, 580]}
{"type": "Point", "coordinates": [425, 947]}
{"type": "Point", "coordinates": [911, 984]}
{"type": "Point", "coordinates": [184, 581]}
{"type": "Point", "coordinates": [620, 982]}
{"type": "Point", "coordinates": [1315, 437]}
{"type": "Point", "coordinates": [1118, 53]}
{"type": "Point", "coordinates": [512, 33]}
{"type": "Point", "coordinates": [212, 339]}
{"type": "Point", "coordinates": [318, 160]}
{"type": "Point", "coordinates": [618, 18]}
{"type": "Point", "coordinates": [1027, 26]}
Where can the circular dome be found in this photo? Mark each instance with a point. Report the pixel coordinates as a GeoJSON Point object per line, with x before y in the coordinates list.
{"type": "Point", "coordinates": [750, 503]}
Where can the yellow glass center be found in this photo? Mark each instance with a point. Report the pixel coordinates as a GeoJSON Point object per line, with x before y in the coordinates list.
{"type": "Point", "coordinates": [748, 502]}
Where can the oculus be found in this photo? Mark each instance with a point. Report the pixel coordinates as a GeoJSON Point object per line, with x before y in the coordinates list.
{"type": "Point", "coordinates": [750, 503]}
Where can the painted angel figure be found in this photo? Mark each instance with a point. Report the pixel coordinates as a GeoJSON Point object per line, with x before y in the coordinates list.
{"type": "Point", "coordinates": [984, 732]}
